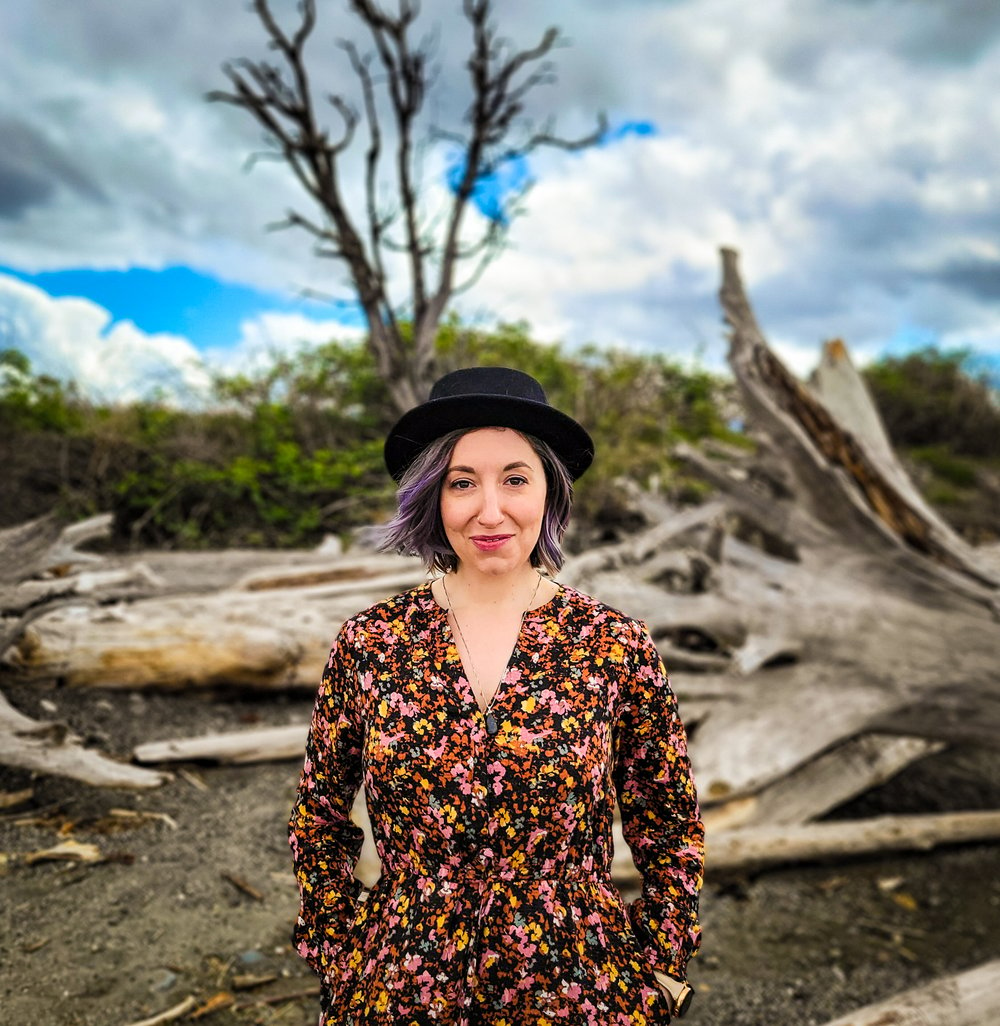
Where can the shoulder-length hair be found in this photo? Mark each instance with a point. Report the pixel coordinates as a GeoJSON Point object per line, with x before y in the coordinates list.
{"type": "Point", "coordinates": [417, 529]}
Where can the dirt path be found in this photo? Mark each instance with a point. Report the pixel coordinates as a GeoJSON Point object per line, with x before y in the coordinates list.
{"type": "Point", "coordinates": [111, 943]}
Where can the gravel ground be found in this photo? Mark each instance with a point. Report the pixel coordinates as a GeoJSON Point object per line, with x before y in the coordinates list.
{"type": "Point", "coordinates": [111, 943]}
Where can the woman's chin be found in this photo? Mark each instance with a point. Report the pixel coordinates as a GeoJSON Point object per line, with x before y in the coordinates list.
{"type": "Point", "coordinates": [496, 564]}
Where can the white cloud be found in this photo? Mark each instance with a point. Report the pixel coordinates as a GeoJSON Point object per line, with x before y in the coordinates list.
{"type": "Point", "coordinates": [276, 334]}
{"type": "Point", "coordinates": [854, 179]}
{"type": "Point", "coordinates": [73, 339]}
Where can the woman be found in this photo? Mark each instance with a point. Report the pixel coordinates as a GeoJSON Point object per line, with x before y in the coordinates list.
{"type": "Point", "coordinates": [494, 715]}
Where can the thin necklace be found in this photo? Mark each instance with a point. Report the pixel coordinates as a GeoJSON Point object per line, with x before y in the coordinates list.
{"type": "Point", "coordinates": [491, 721]}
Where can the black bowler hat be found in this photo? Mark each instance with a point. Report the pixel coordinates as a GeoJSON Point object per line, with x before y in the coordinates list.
{"type": "Point", "coordinates": [479, 397]}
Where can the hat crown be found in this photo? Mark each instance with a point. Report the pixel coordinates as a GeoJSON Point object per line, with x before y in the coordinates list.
{"type": "Point", "coordinates": [497, 381]}
{"type": "Point", "coordinates": [484, 397]}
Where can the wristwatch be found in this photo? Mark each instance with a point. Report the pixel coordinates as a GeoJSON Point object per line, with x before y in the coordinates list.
{"type": "Point", "coordinates": [680, 993]}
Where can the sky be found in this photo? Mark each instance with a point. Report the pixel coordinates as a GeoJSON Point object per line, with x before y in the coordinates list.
{"type": "Point", "coordinates": [847, 148]}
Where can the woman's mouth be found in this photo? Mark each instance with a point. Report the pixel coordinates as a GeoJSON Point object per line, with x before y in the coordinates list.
{"type": "Point", "coordinates": [490, 542]}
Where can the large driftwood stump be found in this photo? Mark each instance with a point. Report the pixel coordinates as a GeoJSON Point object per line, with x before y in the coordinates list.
{"type": "Point", "coordinates": [838, 606]}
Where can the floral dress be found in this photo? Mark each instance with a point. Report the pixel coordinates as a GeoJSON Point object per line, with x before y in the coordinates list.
{"type": "Point", "coordinates": [495, 905]}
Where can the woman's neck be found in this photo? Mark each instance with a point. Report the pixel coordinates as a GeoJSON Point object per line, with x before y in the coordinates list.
{"type": "Point", "coordinates": [516, 590]}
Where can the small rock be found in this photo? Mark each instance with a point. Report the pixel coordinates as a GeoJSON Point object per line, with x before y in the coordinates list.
{"type": "Point", "coordinates": [163, 980]}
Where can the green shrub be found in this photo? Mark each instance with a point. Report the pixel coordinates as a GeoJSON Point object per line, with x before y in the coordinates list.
{"type": "Point", "coordinates": [295, 450]}
{"type": "Point", "coordinates": [956, 470]}
{"type": "Point", "coordinates": [927, 399]}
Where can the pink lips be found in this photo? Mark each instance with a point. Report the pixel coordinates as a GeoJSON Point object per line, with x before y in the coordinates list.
{"type": "Point", "coordinates": [490, 542]}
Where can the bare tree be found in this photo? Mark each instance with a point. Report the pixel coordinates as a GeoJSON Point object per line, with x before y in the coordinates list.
{"type": "Point", "coordinates": [394, 221]}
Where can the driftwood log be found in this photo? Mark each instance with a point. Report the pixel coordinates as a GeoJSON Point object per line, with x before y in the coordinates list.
{"type": "Point", "coordinates": [42, 567]}
{"type": "Point", "coordinates": [54, 748]}
{"type": "Point", "coordinates": [754, 848]}
{"type": "Point", "coordinates": [270, 632]}
{"type": "Point", "coordinates": [970, 998]}
{"type": "Point", "coordinates": [265, 744]}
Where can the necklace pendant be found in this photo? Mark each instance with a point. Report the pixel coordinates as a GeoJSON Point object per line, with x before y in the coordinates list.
{"type": "Point", "coordinates": [491, 724]}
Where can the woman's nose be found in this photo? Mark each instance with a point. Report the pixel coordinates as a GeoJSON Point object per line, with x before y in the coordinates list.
{"type": "Point", "coordinates": [490, 514]}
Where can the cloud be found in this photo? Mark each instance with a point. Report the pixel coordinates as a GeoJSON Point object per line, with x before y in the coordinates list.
{"type": "Point", "coordinates": [32, 169]}
{"type": "Point", "coordinates": [846, 189]}
{"type": "Point", "coordinates": [275, 334]}
{"type": "Point", "coordinates": [74, 340]}
{"type": "Point", "coordinates": [978, 278]}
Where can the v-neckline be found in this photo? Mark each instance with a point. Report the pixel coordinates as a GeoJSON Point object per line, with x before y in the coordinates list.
{"type": "Point", "coordinates": [469, 698]}
{"type": "Point", "coordinates": [464, 673]}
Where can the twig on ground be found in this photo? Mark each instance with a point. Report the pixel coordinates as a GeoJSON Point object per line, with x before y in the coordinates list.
{"type": "Point", "coordinates": [176, 1012]}
{"type": "Point", "coordinates": [241, 885]}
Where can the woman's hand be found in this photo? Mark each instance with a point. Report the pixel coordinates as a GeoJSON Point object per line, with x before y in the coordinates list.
{"type": "Point", "coordinates": [668, 997]}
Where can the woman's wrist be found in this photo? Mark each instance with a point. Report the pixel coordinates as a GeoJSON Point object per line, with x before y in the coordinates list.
{"type": "Point", "coordinates": [678, 992]}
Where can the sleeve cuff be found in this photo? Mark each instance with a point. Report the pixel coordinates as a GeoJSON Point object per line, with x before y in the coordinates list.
{"type": "Point", "coordinates": [672, 962]}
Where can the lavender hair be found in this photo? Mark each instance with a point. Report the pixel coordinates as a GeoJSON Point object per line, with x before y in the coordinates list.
{"type": "Point", "coordinates": [417, 529]}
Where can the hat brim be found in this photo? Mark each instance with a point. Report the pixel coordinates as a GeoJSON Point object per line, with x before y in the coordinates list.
{"type": "Point", "coordinates": [415, 430]}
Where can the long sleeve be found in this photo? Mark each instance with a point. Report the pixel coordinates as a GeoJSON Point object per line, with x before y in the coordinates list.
{"type": "Point", "coordinates": [659, 810]}
{"type": "Point", "coordinates": [325, 842]}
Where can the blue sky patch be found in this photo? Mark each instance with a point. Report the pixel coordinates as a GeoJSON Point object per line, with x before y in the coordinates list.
{"type": "Point", "coordinates": [644, 129]}
{"type": "Point", "coordinates": [180, 301]}
{"type": "Point", "coordinates": [492, 193]}
{"type": "Point", "coordinates": [912, 338]}
{"type": "Point", "coordinates": [907, 339]}
{"type": "Point", "coordinates": [985, 365]}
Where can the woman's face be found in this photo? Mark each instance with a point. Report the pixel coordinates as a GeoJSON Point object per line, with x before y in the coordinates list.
{"type": "Point", "coordinates": [493, 500]}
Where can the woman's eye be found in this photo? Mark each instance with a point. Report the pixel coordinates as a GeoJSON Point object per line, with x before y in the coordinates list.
{"type": "Point", "coordinates": [517, 480]}
{"type": "Point", "coordinates": [461, 484]}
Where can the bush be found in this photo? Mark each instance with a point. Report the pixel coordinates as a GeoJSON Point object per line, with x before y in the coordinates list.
{"type": "Point", "coordinates": [946, 466]}
{"type": "Point", "coordinates": [295, 451]}
{"type": "Point", "coordinates": [927, 399]}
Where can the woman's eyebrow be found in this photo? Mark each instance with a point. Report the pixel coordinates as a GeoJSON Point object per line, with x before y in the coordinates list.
{"type": "Point", "coordinates": [472, 470]}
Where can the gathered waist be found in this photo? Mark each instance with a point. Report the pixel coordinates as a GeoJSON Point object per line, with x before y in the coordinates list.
{"type": "Point", "coordinates": [484, 869]}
